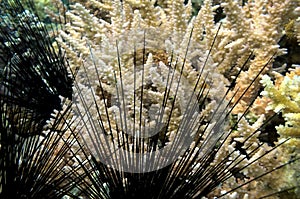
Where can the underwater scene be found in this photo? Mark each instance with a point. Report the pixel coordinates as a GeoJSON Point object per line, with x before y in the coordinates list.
{"type": "Point", "coordinates": [149, 99]}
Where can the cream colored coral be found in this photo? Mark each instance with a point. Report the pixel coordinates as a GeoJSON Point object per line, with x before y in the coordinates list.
{"type": "Point", "coordinates": [285, 98]}
{"type": "Point", "coordinates": [254, 28]}
{"type": "Point", "coordinates": [88, 32]}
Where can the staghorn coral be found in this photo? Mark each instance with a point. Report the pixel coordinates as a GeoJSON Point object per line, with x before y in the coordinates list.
{"type": "Point", "coordinates": [151, 40]}
{"type": "Point", "coordinates": [89, 33]}
{"type": "Point", "coordinates": [100, 41]}
{"type": "Point", "coordinates": [144, 74]}
{"type": "Point", "coordinates": [166, 36]}
{"type": "Point", "coordinates": [235, 42]}
{"type": "Point", "coordinates": [254, 27]}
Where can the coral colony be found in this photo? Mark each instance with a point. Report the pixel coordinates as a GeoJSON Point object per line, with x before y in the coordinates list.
{"type": "Point", "coordinates": [150, 99]}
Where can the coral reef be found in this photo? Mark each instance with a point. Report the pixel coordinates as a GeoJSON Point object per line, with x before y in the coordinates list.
{"type": "Point", "coordinates": [246, 42]}
{"type": "Point", "coordinates": [165, 99]}
{"type": "Point", "coordinates": [253, 28]}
